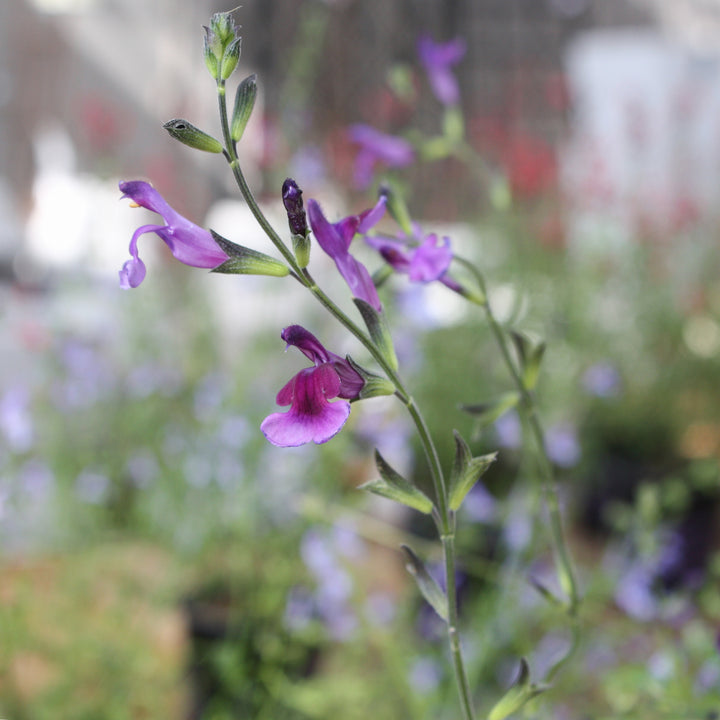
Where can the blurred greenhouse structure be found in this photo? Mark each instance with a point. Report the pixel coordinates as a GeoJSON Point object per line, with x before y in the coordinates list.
{"type": "Point", "coordinates": [159, 558]}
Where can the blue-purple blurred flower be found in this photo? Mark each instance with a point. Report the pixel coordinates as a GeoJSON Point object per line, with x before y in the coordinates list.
{"type": "Point", "coordinates": [335, 239]}
{"type": "Point", "coordinates": [508, 430]}
{"type": "Point", "coordinates": [438, 59]}
{"type": "Point", "coordinates": [479, 505]}
{"type": "Point", "coordinates": [189, 243]}
{"type": "Point", "coordinates": [377, 147]}
{"type": "Point", "coordinates": [312, 418]}
{"type": "Point", "coordinates": [602, 380]}
{"type": "Point", "coordinates": [562, 445]}
{"type": "Point", "coordinates": [425, 675]}
{"type": "Point", "coordinates": [15, 420]}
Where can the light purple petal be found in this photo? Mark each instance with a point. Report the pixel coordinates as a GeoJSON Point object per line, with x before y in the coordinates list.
{"type": "Point", "coordinates": [358, 278]}
{"type": "Point", "coordinates": [392, 150]}
{"type": "Point", "coordinates": [372, 217]}
{"type": "Point", "coordinates": [438, 58]}
{"type": "Point", "coordinates": [431, 260]}
{"type": "Point", "coordinates": [189, 243]}
{"type": "Point", "coordinates": [327, 235]}
{"type": "Point", "coordinates": [311, 417]}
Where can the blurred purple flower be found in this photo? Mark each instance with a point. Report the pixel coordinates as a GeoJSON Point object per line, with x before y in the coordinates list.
{"type": "Point", "coordinates": [335, 239]}
{"type": "Point", "coordinates": [562, 446]}
{"type": "Point", "coordinates": [37, 479]}
{"type": "Point", "coordinates": [377, 147]}
{"type": "Point", "coordinates": [438, 59]}
{"type": "Point", "coordinates": [299, 608]}
{"type": "Point", "coordinates": [311, 416]}
{"type": "Point", "coordinates": [92, 487]}
{"type": "Point", "coordinates": [509, 430]}
{"type": "Point", "coordinates": [633, 593]}
{"type": "Point", "coordinates": [380, 608]}
{"type": "Point", "coordinates": [422, 262]}
{"type": "Point", "coordinates": [479, 505]}
{"type": "Point", "coordinates": [15, 419]}
{"type": "Point", "coordinates": [189, 243]}
{"type": "Point", "coordinates": [602, 380]}
{"type": "Point", "coordinates": [425, 674]}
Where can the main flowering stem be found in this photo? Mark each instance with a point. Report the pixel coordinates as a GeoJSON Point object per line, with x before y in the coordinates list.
{"type": "Point", "coordinates": [444, 517]}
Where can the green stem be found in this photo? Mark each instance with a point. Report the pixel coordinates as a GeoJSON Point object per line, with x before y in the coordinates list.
{"type": "Point", "coordinates": [444, 517]}
{"type": "Point", "coordinates": [566, 573]}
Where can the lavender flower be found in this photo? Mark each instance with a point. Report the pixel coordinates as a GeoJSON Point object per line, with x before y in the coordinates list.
{"type": "Point", "coordinates": [378, 147]}
{"type": "Point", "coordinates": [189, 243]}
{"type": "Point", "coordinates": [311, 416]}
{"type": "Point", "coordinates": [423, 262]}
{"type": "Point", "coordinates": [335, 239]}
{"type": "Point", "coordinates": [438, 58]}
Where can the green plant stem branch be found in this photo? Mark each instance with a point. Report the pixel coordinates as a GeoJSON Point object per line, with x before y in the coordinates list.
{"type": "Point", "coordinates": [566, 573]}
{"type": "Point", "coordinates": [444, 518]}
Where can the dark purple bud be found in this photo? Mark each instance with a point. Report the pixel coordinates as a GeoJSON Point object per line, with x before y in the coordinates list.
{"type": "Point", "coordinates": [292, 200]}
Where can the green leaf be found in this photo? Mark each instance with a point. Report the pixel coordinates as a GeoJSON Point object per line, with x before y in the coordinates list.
{"type": "Point", "coordinates": [379, 331]}
{"type": "Point", "coordinates": [430, 590]}
{"type": "Point", "coordinates": [521, 692]}
{"type": "Point", "coordinates": [245, 261]}
{"type": "Point", "coordinates": [394, 486]}
{"type": "Point", "coordinates": [530, 353]}
{"type": "Point", "coordinates": [466, 471]}
{"type": "Point", "coordinates": [488, 412]}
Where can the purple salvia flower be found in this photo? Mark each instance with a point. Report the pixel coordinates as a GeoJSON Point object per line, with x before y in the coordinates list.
{"type": "Point", "coordinates": [378, 147]}
{"type": "Point", "coordinates": [335, 239]}
{"type": "Point", "coordinates": [189, 243]}
{"type": "Point", "coordinates": [423, 263]}
{"type": "Point", "coordinates": [438, 58]}
{"type": "Point", "coordinates": [311, 416]}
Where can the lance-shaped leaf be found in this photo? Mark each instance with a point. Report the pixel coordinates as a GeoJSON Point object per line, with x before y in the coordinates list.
{"type": "Point", "coordinates": [430, 590]}
{"type": "Point", "coordinates": [466, 471]}
{"type": "Point", "coordinates": [394, 486]}
{"type": "Point", "coordinates": [530, 353]}
{"type": "Point", "coordinates": [488, 412]}
{"type": "Point", "coordinates": [379, 331]}
{"type": "Point", "coordinates": [521, 692]}
{"type": "Point", "coordinates": [245, 261]}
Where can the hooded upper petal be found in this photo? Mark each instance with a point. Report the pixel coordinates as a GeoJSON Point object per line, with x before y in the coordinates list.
{"type": "Point", "coordinates": [189, 243]}
{"type": "Point", "coordinates": [311, 418]}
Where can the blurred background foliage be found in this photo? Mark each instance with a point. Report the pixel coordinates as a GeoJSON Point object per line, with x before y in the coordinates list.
{"type": "Point", "coordinates": [160, 559]}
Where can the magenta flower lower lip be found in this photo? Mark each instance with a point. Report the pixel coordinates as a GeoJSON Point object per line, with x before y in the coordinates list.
{"type": "Point", "coordinates": [312, 417]}
{"type": "Point", "coordinates": [189, 243]}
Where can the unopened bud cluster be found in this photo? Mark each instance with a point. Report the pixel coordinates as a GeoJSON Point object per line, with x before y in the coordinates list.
{"type": "Point", "coordinates": [222, 46]}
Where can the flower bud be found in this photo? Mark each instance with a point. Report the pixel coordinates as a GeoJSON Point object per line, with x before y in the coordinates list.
{"type": "Point", "coordinates": [292, 200]}
{"type": "Point", "coordinates": [212, 52]}
{"type": "Point", "coordinates": [244, 104]}
{"type": "Point", "coordinates": [373, 385]}
{"type": "Point", "coordinates": [191, 136]}
{"type": "Point", "coordinates": [223, 26]}
{"type": "Point", "coordinates": [230, 58]}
